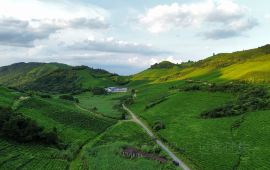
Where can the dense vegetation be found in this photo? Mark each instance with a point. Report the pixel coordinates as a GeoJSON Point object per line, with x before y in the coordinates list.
{"type": "Point", "coordinates": [60, 81]}
{"type": "Point", "coordinates": [69, 97]}
{"type": "Point", "coordinates": [57, 78]}
{"type": "Point", "coordinates": [15, 126]}
{"type": "Point", "coordinates": [164, 64]}
{"type": "Point", "coordinates": [98, 91]}
{"type": "Point", "coordinates": [249, 98]}
{"type": "Point", "coordinates": [106, 151]}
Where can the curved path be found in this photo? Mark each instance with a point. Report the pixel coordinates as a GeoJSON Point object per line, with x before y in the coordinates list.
{"type": "Point", "coordinates": [151, 134]}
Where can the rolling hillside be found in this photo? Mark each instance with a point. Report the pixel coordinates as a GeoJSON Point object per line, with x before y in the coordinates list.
{"type": "Point", "coordinates": [249, 65]}
{"type": "Point", "coordinates": [92, 130]}
{"type": "Point", "coordinates": [55, 77]}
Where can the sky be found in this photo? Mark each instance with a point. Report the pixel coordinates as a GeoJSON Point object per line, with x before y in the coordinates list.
{"type": "Point", "coordinates": [127, 36]}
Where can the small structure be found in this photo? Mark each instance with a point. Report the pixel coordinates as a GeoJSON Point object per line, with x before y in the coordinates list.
{"type": "Point", "coordinates": [116, 89]}
{"type": "Point", "coordinates": [133, 153]}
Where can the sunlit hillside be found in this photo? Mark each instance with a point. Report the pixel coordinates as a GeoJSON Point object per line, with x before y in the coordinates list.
{"type": "Point", "coordinates": [249, 65]}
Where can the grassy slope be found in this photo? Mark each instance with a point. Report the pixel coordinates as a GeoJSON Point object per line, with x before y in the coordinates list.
{"type": "Point", "coordinates": [7, 97]}
{"type": "Point", "coordinates": [209, 144]}
{"type": "Point", "coordinates": [24, 156]}
{"type": "Point", "coordinates": [104, 103]}
{"type": "Point", "coordinates": [54, 77]}
{"type": "Point", "coordinates": [250, 65]}
{"type": "Point", "coordinates": [74, 126]}
{"type": "Point", "coordinates": [88, 80]}
{"type": "Point", "coordinates": [105, 152]}
{"type": "Point", "coordinates": [23, 73]}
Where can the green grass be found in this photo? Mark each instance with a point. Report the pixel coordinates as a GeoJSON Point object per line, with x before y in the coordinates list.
{"type": "Point", "coordinates": [249, 65]}
{"type": "Point", "coordinates": [105, 104]}
{"type": "Point", "coordinates": [205, 143]}
{"type": "Point", "coordinates": [105, 152]}
{"type": "Point", "coordinates": [22, 156]}
{"type": "Point", "coordinates": [75, 127]}
{"type": "Point", "coordinates": [22, 73]}
{"type": "Point", "coordinates": [88, 80]}
{"type": "Point", "coordinates": [253, 134]}
{"type": "Point", "coordinates": [7, 97]}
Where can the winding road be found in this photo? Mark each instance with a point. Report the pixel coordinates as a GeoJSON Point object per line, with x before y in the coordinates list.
{"type": "Point", "coordinates": [162, 145]}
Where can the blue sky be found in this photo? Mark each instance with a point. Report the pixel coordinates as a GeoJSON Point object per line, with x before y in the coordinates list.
{"type": "Point", "coordinates": [127, 36]}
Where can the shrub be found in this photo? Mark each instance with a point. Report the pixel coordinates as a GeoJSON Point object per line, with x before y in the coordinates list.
{"type": "Point", "coordinates": [99, 91]}
{"type": "Point", "coordinates": [69, 97]}
{"type": "Point", "coordinates": [45, 96]}
{"type": "Point", "coordinates": [193, 87]}
{"type": "Point", "coordinates": [127, 100]}
{"type": "Point", "coordinates": [158, 125]}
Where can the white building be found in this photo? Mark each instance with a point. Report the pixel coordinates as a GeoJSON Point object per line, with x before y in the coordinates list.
{"type": "Point", "coordinates": [116, 89]}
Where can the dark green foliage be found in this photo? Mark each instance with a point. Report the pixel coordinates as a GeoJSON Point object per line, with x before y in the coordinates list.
{"type": "Point", "coordinates": [133, 91]}
{"type": "Point", "coordinates": [69, 97]}
{"type": "Point", "coordinates": [46, 96]}
{"type": "Point", "coordinates": [232, 87]}
{"type": "Point", "coordinates": [16, 127]}
{"type": "Point", "coordinates": [156, 102]}
{"type": "Point", "coordinates": [99, 91]}
{"type": "Point", "coordinates": [192, 87]}
{"type": "Point", "coordinates": [128, 100]}
{"type": "Point", "coordinates": [124, 116]}
{"type": "Point", "coordinates": [163, 64]}
{"type": "Point", "coordinates": [94, 109]}
{"type": "Point", "coordinates": [249, 99]}
{"type": "Point", "coordinates": [158, 125]}
{"type": "Point", "coordinates": [60, 81]}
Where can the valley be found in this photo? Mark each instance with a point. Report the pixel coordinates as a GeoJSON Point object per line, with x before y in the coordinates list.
{"type": "Point", "coordinates": [211, 114]}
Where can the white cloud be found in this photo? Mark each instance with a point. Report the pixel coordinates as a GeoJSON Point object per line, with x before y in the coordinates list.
{"type": "Point", "coordinates": [160, 59]}
{"type": "Point", "coordinates": [111, 45]}
{"type": "Point", "coordinates": [69, 32]}
{"type": "Point", "coordinates": [233, 29]}
{"type": "Point", "coordinates": [214, 14]}
{"type": "Point", "coordinates": [45, 9]}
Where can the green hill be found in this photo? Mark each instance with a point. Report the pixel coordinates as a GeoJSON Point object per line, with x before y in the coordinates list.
{"type": "Point", "coordinates": [54, 77]}
{"type": "Point", "coordinates": [222, 125]}
{"type": "Point", "coordinates": [249, 65]}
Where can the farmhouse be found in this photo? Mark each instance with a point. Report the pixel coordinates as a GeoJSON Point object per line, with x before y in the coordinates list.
{"type": "Point", "coordinates": [116, 89]}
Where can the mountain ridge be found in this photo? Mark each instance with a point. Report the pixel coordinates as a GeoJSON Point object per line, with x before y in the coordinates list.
{"type": "Point", "coordinates": [55, 77]}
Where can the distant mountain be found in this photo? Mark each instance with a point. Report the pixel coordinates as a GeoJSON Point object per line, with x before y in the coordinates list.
{"type": "Point", "coordinates": [248, 65]}
{"type": "Point", "coordinates": [55, 77]}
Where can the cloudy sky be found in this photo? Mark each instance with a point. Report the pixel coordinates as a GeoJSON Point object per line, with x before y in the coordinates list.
{"type": "Point", "coordinates": [126, 36]}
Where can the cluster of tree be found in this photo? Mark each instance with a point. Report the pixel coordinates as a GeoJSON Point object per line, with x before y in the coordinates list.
{"type": "Point", "coordinates": [98, 91]}
{"type": "Point", "coordinates": [60, 81]}
{"type": "Point", "coordinates": [249, 99]}
{"type": "Point", "coordinates": [158, 125]}
{"type": "Point", "coordinates": [46, 96]}
{"type": "Point", "coordinates": [193, 87]}
{"type": "Point", "coordinates": [233, 87]}
{"type": "Point", "coordinates": [24, 130]}
{"type": "Point", "coordinates": [162, 65]}
{"type": "Point", "coordinates": [128, 100]}
{"type": "Point", "coordinates": [69, 97]}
